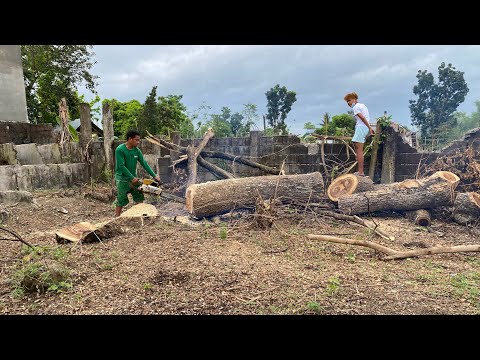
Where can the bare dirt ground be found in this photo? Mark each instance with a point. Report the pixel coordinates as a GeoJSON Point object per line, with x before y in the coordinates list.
{"type": "Point", "coordinates": [232, 267]}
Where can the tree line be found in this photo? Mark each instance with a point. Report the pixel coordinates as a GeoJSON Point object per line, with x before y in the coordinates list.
{"type": "Point", "coordinates": [55, 71]}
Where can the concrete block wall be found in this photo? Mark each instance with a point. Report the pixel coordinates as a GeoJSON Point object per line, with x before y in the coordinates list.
{"type": "Point", "coordinates": [32, 166]}
{"type": "Point", "coordinates": [26, 133]}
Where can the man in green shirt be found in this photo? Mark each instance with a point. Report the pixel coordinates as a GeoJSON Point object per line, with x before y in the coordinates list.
{"type": "Point", "coordinates": [126, 157]}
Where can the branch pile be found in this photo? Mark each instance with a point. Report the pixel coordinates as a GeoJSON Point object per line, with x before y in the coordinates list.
{"type": "Point", "coordinates": [463, 163]}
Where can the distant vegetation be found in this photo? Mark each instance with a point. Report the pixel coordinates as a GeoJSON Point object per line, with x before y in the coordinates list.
{"type": "Point", "coordinates": [55, 71]}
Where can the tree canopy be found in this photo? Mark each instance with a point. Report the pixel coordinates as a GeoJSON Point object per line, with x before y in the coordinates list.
{"type": "Point", "coordinates": [436, 103]}
{"type": "Point", "coordinates": [279, 104]}
{"type": "Point", "coordinates": [52, 72]}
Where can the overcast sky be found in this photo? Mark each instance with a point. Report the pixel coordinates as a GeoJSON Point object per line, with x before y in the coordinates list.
{"type": "Point", "coordinates": [383, 76]}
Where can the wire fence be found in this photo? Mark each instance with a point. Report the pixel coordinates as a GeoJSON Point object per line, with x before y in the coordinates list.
{"type": "Point", "coordinates": [432, 144]}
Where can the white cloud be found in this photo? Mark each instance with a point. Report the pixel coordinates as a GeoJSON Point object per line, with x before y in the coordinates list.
{"type": "Point", "coordinates": [233, 75]}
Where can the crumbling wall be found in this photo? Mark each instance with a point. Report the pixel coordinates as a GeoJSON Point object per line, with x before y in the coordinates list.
{"type": "Point", "coordinates": [26, 133]}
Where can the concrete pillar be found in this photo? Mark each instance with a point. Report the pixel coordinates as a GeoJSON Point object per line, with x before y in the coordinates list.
{"type": "Point", "coordinates": [389, 158]}
{"type": "Point", "coordinates": [255, 150]}
{"type": "Point", "coordinates": [174, 155]}
{"type": "Point", "coordinates": [13, 103]}
{"type": "Point", "coordinates": [85, 124]}
{"type": "Point", "coordinates": [164, 169]}
{"type": "Point", "coordinates": [107, 121]}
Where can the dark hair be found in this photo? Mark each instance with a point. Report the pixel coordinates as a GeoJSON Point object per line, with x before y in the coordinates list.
{"type": "Point", "coordinates": [132, 134]}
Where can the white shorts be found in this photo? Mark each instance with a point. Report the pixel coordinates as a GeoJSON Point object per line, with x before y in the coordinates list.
{"type": "Point", "coordinates": [361, 133]}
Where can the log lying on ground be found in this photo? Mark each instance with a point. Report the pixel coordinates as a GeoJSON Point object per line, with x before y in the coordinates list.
{"type": "Point", "coordinates": [420, 217]}
{"type": "Point", "coordinates": [85, 232]}
{"type": "Point", "coordinates": [348, 184]}
{"type": "Point", "coordinates": [218, 197]}
{"type": "Point", "coordinates": [431, 192]}
{"type": "Point", "coordinates": [395, 254]}
{"type": "Point", "coordinates": [466, 208]}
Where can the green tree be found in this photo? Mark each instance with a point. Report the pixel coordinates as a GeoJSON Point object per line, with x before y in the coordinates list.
{"type": "Point", "coordinates": [52, 72]}
{"type": "Point", "coordinates": [125, 115]}
{"type": "Point", "coordinates": [236, 124]}
{"type": "Point", "coordinates": [465, 123]}
{"type": "Point", "coordinates": [279, 104]}
{"type": "Point", "coordinates": [149, 119]}
{"type": "Point", "coordinates": [173, 116]}
{"type": "Point", "coordinates": [219, 125]}
{"type": "Point", "coordinates": [250, 116]}
{"type": "Point", "coordinates": [339, 125]}
{"type": "Point", "coordinates": [309, 126]}
{"type": "Point", "coordinates": [436, 103]}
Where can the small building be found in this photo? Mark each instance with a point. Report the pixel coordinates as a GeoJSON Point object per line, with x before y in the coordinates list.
{"type": "Point", "coordinates": [95, 128]}
{"type": "Point", "coordinates": [97, 131]}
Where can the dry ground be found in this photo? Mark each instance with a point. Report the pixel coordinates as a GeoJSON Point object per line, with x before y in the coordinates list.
{"type": "Point", "coordinates": [230, 267]}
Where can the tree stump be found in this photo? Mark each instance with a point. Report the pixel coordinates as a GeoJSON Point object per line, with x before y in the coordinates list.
{"type": "Point", "coordinates": [348, 184]}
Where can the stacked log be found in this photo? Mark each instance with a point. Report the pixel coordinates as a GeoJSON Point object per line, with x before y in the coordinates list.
{"type": "Point", "coordinates": [466, 208]}
{"type": "Point", "coordinates": [431, 192]}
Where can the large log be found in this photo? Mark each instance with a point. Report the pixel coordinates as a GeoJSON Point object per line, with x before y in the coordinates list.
{"type": "Point", "coordinates": [349, 184]}
{"type": "Point", "coordinates": [220, 196]}
{"type": "Point", "coordinates": [466, 208]}
{"type": "Point", "coordinates": [431, 192]}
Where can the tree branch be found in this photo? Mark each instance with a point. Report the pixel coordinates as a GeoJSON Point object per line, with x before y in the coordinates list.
{"type": "Point", "coordinates": [394, 254]}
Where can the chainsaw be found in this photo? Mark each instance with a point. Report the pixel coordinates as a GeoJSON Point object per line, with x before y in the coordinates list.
{"type": "Point", "coordinates": [150, 186]}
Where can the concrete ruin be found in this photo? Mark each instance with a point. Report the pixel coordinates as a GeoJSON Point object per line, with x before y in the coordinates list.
{"type": "Point", "coordinates": [13, 103]}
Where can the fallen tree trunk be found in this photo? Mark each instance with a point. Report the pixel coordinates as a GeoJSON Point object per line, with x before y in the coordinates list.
{"type": "Point", "coordinates": [214, 154]}
{"type": "Point", "coordinates": [394, 254]}
{"type": "Point", "coordinates": [218, 197]}
{"type": "Point", "coordinates": [430, 193]}
{"type": "Point", "coordinates": [214, 169]}
{"type": "Point", "coordinates": [348, 184]}
{"type": "Point", "coordinates": [241, 160]}
{"type": "Point", "coordinates": [420, 217]}
{"type": "Point", "coordinates": [466, 208]}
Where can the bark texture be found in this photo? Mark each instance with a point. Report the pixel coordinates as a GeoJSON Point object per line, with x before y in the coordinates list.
{"type": "Point", "coordinates": [218, 197]}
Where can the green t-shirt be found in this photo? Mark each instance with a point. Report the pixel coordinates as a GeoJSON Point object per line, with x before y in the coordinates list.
{"type": "Point", "coordinates": [126, 163]}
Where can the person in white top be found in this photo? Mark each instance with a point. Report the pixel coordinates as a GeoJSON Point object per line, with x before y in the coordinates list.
{"type": "Point", "coordinates": [362, 128]}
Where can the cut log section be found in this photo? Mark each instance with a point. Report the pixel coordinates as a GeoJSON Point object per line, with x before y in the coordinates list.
{"type": "Point", "coordinates": [348, 184]}
{"type": "Point", "coordinates": [466, 208]}
{"type": "Point", "coordinates": [87, 232]}
{"type": "Point", "coordinates": [420, 217]}
{"type": "Point", "coordinates": [447, 175]}
{"type": "Point", "coordinates": [220, 196]}
{"type": "Point", "coordinates": [431, 192]}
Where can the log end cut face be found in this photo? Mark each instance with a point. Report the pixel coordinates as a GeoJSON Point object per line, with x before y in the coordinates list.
{"type": "Point", "coordinates": [475, 198]}
{"type": "Point", "coordinates": [343, 185]}
{"type": "Point", "coordinates": [447, 175]}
